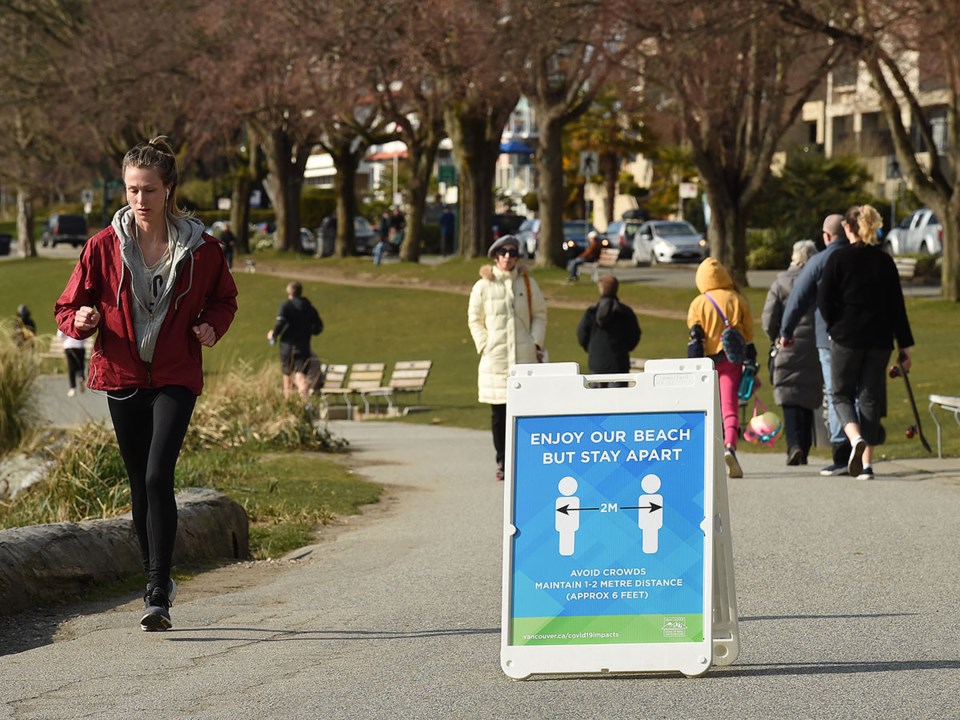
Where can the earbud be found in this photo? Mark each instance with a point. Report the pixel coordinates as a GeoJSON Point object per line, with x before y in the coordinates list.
{"type": "Point", "coordinates": [168, 194]}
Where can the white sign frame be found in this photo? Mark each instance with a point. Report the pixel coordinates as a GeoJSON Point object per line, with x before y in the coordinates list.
{"type": "Point", "coordinates": [666, 386]}
{"type": "Point", "coordinates": [589, 163]}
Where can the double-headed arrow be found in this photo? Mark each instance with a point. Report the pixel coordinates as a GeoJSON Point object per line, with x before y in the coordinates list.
{"type": "Point", "coordinates": [652, 507]}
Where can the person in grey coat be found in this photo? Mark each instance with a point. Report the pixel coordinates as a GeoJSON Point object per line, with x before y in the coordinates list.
{"type": "Point", "coordinates": [797, 380]}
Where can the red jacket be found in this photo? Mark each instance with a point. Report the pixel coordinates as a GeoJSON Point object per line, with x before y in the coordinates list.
{"type": "Point", "coordinates": [204, 293]}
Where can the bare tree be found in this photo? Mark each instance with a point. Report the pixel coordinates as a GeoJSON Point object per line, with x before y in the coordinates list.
{"type": "Point", "coordinates": [472, 71]}
{"type": "Point", "coordinates": [560, 68]}
{"type": "Point", "coordinates": [911, 53]}
{"type": "Point", "coordinates": [259, 74]}
{"type": "Point", "coordinates": [738, 77]}
{"type": "Point", "coordinates": [35, 39]}
{"type": "Point", "coordinates": [411, 97]}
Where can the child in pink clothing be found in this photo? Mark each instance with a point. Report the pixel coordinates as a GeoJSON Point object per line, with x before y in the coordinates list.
{"type": "Point", "coordinates": [706, 324]}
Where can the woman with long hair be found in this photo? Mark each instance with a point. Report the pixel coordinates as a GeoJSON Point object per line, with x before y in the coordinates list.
{"type": "Point", "coordinates": [861, 301]}
{"type": "Point", "coordinates": [155, 289]}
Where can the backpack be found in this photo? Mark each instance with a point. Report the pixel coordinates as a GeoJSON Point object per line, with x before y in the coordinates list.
{"type": "Point", "coordinates": [732, 342]}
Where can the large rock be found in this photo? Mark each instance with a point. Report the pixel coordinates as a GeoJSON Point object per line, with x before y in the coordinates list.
{"type": "Point", "coordinates": [45, 563]}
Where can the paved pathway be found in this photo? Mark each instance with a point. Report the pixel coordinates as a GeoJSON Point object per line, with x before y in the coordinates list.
{"type": "Point", "coordinates": [848, 596]}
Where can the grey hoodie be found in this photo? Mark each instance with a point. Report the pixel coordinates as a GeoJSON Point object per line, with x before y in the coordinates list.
{"type": "Point", "coordinates": [185, 236]}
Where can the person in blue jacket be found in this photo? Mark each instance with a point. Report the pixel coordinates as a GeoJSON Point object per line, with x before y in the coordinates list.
{"type": "Point", "coordinates": [802, 297]}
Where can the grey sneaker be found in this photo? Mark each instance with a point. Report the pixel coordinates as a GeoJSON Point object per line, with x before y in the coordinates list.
{"type": "Point", "coordinates": [156, 611]}
{"type": "Point", "coordinates": [733, 465]}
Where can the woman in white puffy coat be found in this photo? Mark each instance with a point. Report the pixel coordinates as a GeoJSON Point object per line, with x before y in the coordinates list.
{"type": "Point", "coordinates": [507, 316]}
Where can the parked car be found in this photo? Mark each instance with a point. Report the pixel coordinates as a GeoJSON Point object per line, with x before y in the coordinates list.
{"type": "Point", "coordinates": [575, 235]}
{"type": "Point", "coordinates": [620, 234]}
{"type": "Point", "coordinates": [919, 232]}
{"type": "Point", "coordinates": [364, 235]}
{"type": "Point", "coordinates": [529, 236]}
{"type": "Point", "coordinates": [65, 229]}
{"type": "Point", "coordinates": [668, 241]}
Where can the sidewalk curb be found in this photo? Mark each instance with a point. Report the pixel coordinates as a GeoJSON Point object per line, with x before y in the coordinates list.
{"type": "Point", "coordinates": [46, 563]}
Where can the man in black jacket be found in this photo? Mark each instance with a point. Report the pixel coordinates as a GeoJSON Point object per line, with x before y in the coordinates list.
{"type": "Point", "coordinates": [608, 331]}
{"type": "Point", "coordinates": [297, 321]}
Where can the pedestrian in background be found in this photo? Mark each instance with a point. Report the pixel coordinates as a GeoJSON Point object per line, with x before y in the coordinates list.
{"type": "Point", "coordinates": [297, 321]}
{"type": "Point", "coordinates": [447, 228]}
{"type": "Point", "coordinates": [507, 316]}
{"type": "Point", "coordinates": [861, 301]}
{"type": "Point", "coordinates": [796, 376]}
{"type": "Point", "coordinates": [801, 299]}
{"type": "Point", "coordinates": [590, 254]}
{"type": "Point", "coordinates": [228, 241]}
{"type": "Point", "coordinates": [156, 289]}
{"type": "Point", "coordinates": [75, 351]}
{"type": "Point", "coordinates": [719, 303]}
{"type": "Point", "coordinates": [608, 330]}
{"type": "Point", "coordinates": [24, 327]}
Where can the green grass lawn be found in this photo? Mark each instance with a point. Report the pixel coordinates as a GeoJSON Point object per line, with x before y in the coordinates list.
{"type": "Point", "coordinates": [409, 322]}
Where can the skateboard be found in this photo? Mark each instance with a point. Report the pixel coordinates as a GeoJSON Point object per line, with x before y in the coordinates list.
{"type": "Point", "coordinates": [899, 371]}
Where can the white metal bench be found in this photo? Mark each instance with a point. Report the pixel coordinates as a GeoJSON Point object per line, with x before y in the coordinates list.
{"type": "Point", "coordinates": [951, 405]}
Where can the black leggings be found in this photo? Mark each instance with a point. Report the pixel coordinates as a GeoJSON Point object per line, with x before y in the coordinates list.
{"type": "Point", "coordinates": [150, 426]}
{"type": "Point", "coordinates": [75, 361]}
{"type": "Point", "coordinates": [498, 424]}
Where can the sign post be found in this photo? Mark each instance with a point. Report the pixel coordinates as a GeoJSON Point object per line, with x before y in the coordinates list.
{"type": "Point", "coordinates": [617, 548]}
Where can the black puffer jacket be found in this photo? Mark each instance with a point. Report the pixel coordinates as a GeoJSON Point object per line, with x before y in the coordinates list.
{"type": "Point", "coordinates": [608, 331]}
{"type": "Point", "coordinates": [797, 379]}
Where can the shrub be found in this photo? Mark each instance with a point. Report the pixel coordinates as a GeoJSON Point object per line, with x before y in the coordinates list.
{"type": "Point", "coordinates": [18, 371]}
{"type": "Point", "coordinates": [768, 249]}
{"type": "Point", "coordinates": [246, 408]}
{"type": "Point", "coordinates": [243, 410]}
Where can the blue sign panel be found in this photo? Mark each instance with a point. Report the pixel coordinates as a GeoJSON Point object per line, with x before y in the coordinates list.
{"type": "Point", "coordinates": [609, 541]}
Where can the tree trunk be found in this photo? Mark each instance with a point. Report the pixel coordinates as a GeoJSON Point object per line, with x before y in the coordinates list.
{"type": "Point", "coordinates": [476, 155]}
{"type": "Point", "coordinates": [950, 271]}
{"type": "Point", "coordinates": [240, 211]}
{"type": "Point", "coordinates": [345, 188]}
{"type": "Point", "coordinates": [422, 155]}
{"type": "Point", "coordinates": [727, 235]}
{"type": "Point", "coordinates": [550, 193]}
{"type": "Point", "coordinates": [26, 242]}
{"type": "Point", "coordinates": [283, 183]}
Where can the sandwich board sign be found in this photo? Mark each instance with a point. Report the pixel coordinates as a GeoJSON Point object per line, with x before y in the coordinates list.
{"type": "Point", "coordinates": [617, 553]}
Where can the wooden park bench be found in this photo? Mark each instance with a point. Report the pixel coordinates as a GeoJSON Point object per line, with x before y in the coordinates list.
{"type": "Point", "coordinates": [408, 376]}
{"type": "Point", "coordinates": [334, 386]}
{"type": "Point", "coordinates": [607, 260]}
{"type": "Point", "coordinates": [906, 267]}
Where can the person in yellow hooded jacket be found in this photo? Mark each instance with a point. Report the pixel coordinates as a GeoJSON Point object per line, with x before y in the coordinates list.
{"type": "Point", "coordinates": [706, 325]}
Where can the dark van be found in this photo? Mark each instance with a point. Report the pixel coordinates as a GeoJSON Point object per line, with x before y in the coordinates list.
{"type": "Point", "coordinates": [65, 229]}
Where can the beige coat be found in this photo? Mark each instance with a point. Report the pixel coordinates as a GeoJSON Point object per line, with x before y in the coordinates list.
{"type": "Point", "coordinates": [503, 328]}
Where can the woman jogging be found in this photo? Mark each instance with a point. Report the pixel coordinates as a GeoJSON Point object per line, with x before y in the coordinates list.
{"type": "Point", "coordinates": [155, 289]}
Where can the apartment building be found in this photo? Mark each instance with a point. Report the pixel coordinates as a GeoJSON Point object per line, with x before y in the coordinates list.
{"type": "Point", "coordinates": [846, 119]}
